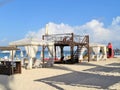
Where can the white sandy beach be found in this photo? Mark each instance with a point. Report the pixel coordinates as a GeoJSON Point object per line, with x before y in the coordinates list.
{"type": "Point", "coordinates": [83, 76]}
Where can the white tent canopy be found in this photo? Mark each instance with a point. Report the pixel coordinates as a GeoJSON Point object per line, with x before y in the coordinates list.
{"type": "Point", "coordinates": [30, 41]}
{"type": "Point", "coordinates": [97, 51]}
{"type": "Point", "coordinates": [31, 46]}
{"type": "Point", "coordinates": [96, 47]}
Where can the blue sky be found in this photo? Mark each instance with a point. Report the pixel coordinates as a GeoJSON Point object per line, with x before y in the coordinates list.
{"type": "Point", "coordinates": [20, 17]}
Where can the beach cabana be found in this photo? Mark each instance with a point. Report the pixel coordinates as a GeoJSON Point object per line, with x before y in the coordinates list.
{"type": "Point", "coordinates": [31, 46]}
{"type": "Point", "coordinates": [9, 66]}
{"type": "Point", "coordinates": [98, 51]}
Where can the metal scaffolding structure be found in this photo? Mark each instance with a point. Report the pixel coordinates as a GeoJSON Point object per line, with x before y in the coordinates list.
{"type": "Point", "coordinates": [71, 40]}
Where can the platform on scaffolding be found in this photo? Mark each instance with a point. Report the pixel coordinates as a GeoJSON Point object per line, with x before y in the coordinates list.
{"type": "Point", "coordinates": [71, 40]}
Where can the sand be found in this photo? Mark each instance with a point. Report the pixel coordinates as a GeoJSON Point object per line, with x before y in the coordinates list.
{"type": "Point", "coordinates": [91, 75]}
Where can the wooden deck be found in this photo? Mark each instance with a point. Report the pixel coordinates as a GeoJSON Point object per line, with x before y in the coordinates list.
{"type": "Point", "coordinates": [71, 40]}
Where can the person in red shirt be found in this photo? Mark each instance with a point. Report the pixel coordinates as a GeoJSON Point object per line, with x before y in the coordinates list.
{"type": "Point", "coordinates": [110, 50]}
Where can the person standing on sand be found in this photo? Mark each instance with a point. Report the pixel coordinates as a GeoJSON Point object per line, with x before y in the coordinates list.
{"type": "Point", "coordinates": [110, 50]}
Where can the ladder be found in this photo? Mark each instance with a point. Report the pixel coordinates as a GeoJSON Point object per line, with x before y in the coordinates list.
{"type": "Point", "coordinates": [79, 48]}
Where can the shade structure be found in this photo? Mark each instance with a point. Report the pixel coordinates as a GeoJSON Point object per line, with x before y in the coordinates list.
{"type": "Point", "coordinates": [30, 41]}
{"type": "Point", "coordinates": [99, 50]}
{"type": "Point", "coordinates": [31, 46]}
{"type": "Point", "coordinates": [25, 42]}
{"type": "Point", "coordinates": [12, 50]}
{"type": "Point", "coordinates": [31, 50]}
{"type": "Point", "coordinates": [8, 48]}
{"type": "Point", "coordinates": [97, 44]}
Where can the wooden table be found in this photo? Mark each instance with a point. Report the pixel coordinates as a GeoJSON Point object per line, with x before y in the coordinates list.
{"type": "Point", "coordinates": [10, 67]}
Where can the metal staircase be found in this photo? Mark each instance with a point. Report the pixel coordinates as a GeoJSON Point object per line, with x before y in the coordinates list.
{"type": "Point", "coordinates": [79, 48]}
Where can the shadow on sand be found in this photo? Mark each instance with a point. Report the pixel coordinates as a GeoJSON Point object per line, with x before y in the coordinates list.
{"type": "Point", "coordinates": [86, 64]}
{"type": "Point", "coordinates": [114, 64]}
{"type": "Point", "coordinates": [83, 79]}
{"type": "Point", "coordinates": [63, 67]}
{"type": "Point", "coordinates": [110, 68]}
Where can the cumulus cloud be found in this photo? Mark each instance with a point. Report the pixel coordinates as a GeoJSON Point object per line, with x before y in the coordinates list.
{"type": "Point", "coordinates": [96, 31]}
{"type": "Point", "coordinates": [52, 29]}
{"type": "Point", "coordinates": [116, 21]}
{"type": "Point", "coordinates": [115, 29]}
{"type": "Point", "coordinates": [94, 28]}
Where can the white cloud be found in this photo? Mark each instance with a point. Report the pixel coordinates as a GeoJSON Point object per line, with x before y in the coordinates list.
{"type": "Point", "coordinates": [95, 29]}
{"type": "Point", "coordinates": [115, 29]}
{"type": "Point", "coordinates": [52, 29]}
{"type": "Point", "coordinates": [116, 21]}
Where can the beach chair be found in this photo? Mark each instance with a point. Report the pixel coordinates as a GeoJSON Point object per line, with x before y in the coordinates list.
{"type": "Point", "coordinates": [48, 63]}
{"type": "Point", "coordinates": [36, 63]}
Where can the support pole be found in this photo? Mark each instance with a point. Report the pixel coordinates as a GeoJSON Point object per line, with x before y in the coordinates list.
{"type": "Point", "coordinates": [72, 50]}
{"type": "Point", "coordinates": [62, 54]}
{"type": "Point", "coordinates": [88, 47]}
{"type": "Point", "coordinates": [55, 52]}
{"type": "Point", "coordinates": [12, 63]}
{"type": "Point", "coordinates": [43, 51]}
{"type": "Point", "coordinates": [43, 54]}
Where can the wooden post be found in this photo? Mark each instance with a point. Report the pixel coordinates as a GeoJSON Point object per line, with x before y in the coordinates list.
{"type": "Point", "coordinates": [43, 51]}
{"type": "Point", "coordinates": [88, 47]}
{"type": "Point", "coordinates": [72, 37]}
{"type": "Point", "coordinates": [43, 54]}
{"type": "Point", "coordinates": [55, 52]}
{"type": "Point", "coordinates": [12, 64]}
{"type": "Point", "coordinates": [72, 50]}
{"type": "Point", "coordinates": [12, 55]}
{"type": "Point", "coordinates": [62, 54]}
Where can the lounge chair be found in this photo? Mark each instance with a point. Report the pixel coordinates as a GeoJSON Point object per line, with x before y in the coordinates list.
{"type": "Point", "coordinates": [36, 63]}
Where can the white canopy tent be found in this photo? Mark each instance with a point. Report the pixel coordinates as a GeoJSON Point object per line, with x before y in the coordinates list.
{"type": "Point", "coordinates": [31, 46]}
{"type": "Point", "coordinates": [99, 51]}
{"type": "Point", "coordinates": [26, 42]}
